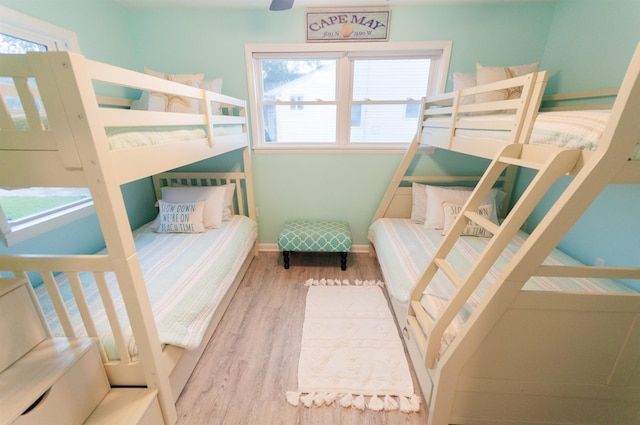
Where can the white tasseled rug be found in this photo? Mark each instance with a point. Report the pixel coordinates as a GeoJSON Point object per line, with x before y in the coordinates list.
{"type": "Point", "coordinates": [351, 352]}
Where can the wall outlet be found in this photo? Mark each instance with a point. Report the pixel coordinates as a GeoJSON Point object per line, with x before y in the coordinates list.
{"type": "Point", "coordinates": [600, 262]}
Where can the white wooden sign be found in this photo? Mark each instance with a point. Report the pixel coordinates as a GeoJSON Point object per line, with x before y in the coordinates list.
{"type": "Point", "coordinates": [348, 25]}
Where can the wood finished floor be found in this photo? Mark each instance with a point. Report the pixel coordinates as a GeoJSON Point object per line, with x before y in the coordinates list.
{"type": "Point", "coordinates": [252, 359]}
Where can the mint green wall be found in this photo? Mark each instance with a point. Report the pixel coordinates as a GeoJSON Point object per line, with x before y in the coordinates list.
{"type": "Point", "coordinates": [589, 47]}
{"type": "Point", "coordinates": [590, 43]}
{"type": "Point", "coordinates": [584, 43]}
{"type": "Point", "coordinates": [99, 25]}
{"type": "Point", "coordinates": [347, 186]}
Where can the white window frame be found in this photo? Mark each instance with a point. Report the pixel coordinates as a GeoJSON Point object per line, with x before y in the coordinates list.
{"type": "Point", "coordinates": [55, 38]}
{"type": "Point", "coordinates": [254, 52]}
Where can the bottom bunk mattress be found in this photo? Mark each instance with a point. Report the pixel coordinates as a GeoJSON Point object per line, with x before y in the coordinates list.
{"type": "Point", "coordinates": [186, 275]}
{"type": "Point", "coordinates": [404, 249]}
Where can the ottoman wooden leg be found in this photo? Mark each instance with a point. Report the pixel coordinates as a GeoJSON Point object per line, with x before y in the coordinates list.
{"type": "Point", "coordinates": [343, 260]}
{"type": "Point", "coordinates": [285, 255]}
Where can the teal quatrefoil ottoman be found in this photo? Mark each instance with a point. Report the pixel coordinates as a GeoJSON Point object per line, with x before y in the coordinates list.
{"type": "Point", "coordinates": [315, 236]}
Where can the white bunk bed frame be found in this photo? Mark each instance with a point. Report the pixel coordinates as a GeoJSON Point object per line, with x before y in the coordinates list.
{"type": "Point", "coordinates": [528, 357]}
{"type": "Point", "coordinates": [71, 150]}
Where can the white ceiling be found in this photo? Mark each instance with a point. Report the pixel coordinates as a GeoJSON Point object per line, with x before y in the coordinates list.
{"type": "Point", "coordinates": [303, 4]}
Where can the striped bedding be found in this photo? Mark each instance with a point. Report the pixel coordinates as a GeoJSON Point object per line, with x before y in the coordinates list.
{"type": "Point", "coordinates": [187, 275]}
{"type": "Point", "coordinates": [568, 129]}
{"type": "Point", "coordinates": [147, 136]}
{"type": "Point", "coordinates": [404, 249]}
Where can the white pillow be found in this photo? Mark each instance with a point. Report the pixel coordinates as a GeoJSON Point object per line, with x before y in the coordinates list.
{"type": "Point", "coordinates": [437, 195]}
{"type": "Point", "coordinates": [491, 74]}
{"type": "Point", "coordinates": [461, 81]}
{"type": "Point", "coordinates": [180, 217]}
{"type": "Point", "coordinates": [227, 211]}
{"type": "Point", "coordinates": [213, 196]}
{"type": "Point", "coordinates": [451, 212]}
{"type": "Point", "coordinates": [212, 86]}
{"type": "Point", "coordinates": [230, 189]}
{"type": "Point", "coordinates": [418, 203]}
{"type": "Point", "coordinates": [156, 101]}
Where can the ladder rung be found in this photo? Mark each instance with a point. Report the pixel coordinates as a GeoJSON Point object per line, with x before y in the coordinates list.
{"type": "Point", "coordinates": [448, 271]}
{"type": "Point", "coordinates": [414, 332]}
{"type": "Point", "coordinates": [482, 221]}
{"type": "Point", "coordinates": [423, 319]}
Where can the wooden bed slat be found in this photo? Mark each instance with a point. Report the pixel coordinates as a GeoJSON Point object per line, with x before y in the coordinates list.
{"type": "Point", "coordinates": [81, 301]}
{"type": "Point", "coordinates": [58, 304]}
{"type": "Point", "coordinates": [28, 102]}
{"type": "Point", "coordinates": [588, 271]}
{"type": "Point", "coordinates": [418, 337]}
{"type": "Point", "coordinates": [112, 316]}
{"type": "Point", "coordinates": [6, 122]}
{"type": "Point", "coordinates": [421, 318]}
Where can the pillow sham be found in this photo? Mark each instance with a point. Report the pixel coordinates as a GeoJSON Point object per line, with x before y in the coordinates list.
{"type": "Point", "coordinates": [418, 203]}
{"type": "Point", "coordinates": [227, 211]}
{"type": "Point", "coordinates": [437, 195]}
{"type": "Point", "coordinates": [156, 101]}
{"type": "Point", "coordinates": [214, 86]}
{"type": "Point", "coordinates": [213, 197]}
{"type": "Point", "coordinates": [230, 189]}
{"type": "Point", "coordinates": [180, 217]}
{"type": "Point", "coordinates": [491, 74]}
{"type": "Point", "coordinates": [451, 211]}
{"type": "Point", "coordinates": [462, 81]}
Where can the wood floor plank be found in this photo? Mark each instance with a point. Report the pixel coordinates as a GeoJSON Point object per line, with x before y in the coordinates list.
{"type": "Point", "coordinates": [252, 358]}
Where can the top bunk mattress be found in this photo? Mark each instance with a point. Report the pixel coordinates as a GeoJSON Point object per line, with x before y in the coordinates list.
{"type": "Point", "coordinates": [149, 136]}
{"type": "Point", "coordinates": [134, 137]}
{"type": "Point", "coordinates": [186, 275]}
{"type": "Point", "coordinates": [567, 129]}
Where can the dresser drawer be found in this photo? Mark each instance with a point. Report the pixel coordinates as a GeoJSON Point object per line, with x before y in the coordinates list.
{"type": "Point", "coordinates": [72, 398]}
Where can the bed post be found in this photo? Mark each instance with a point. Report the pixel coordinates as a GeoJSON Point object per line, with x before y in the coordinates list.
{"type": "Point", "coordinates": [248, 175]}
{"type": "Point", "coordinates": [402, 168]}
{"type": "Point", "coordinates": [72, 77]}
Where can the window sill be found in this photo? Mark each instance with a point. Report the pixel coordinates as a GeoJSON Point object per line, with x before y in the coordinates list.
{"type": "Point", "coordinates": [43, 225]}
{"type": "Point", "coordinates": [358, 150]}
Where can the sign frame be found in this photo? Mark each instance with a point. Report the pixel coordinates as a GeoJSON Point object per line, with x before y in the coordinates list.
{"type": "Point", "coordinates": [339, 25]}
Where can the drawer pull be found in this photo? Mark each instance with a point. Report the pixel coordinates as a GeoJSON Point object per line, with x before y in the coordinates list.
{"type": "Point", "coordinates": [36, 403]}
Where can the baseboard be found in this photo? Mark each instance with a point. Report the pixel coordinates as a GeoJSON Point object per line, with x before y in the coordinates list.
{"type": "Point", "coordinates": [270, 247]}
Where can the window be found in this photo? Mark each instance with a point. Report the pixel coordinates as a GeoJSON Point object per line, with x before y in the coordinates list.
{"type": "Point", "coordinates": [341, 96]}
{"type": "Point", "coordinates": [27, 212]}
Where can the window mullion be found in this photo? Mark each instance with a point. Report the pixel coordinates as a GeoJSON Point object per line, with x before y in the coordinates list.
{"type": "Point", "coordinates": [344, 90]}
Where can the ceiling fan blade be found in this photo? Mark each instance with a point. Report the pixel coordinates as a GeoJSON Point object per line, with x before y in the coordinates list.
{"type": "Point", "coordinates": [281, 4]}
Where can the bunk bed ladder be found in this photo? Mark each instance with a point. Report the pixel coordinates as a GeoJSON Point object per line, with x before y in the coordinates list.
{"type": "Point", "coordinates": [550, 167]}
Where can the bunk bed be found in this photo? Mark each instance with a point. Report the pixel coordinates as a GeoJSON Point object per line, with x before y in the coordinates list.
{"type": "Point", "coordinates": [504, 328]}
{"type": "Point", "coordinates": [75, 127]}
